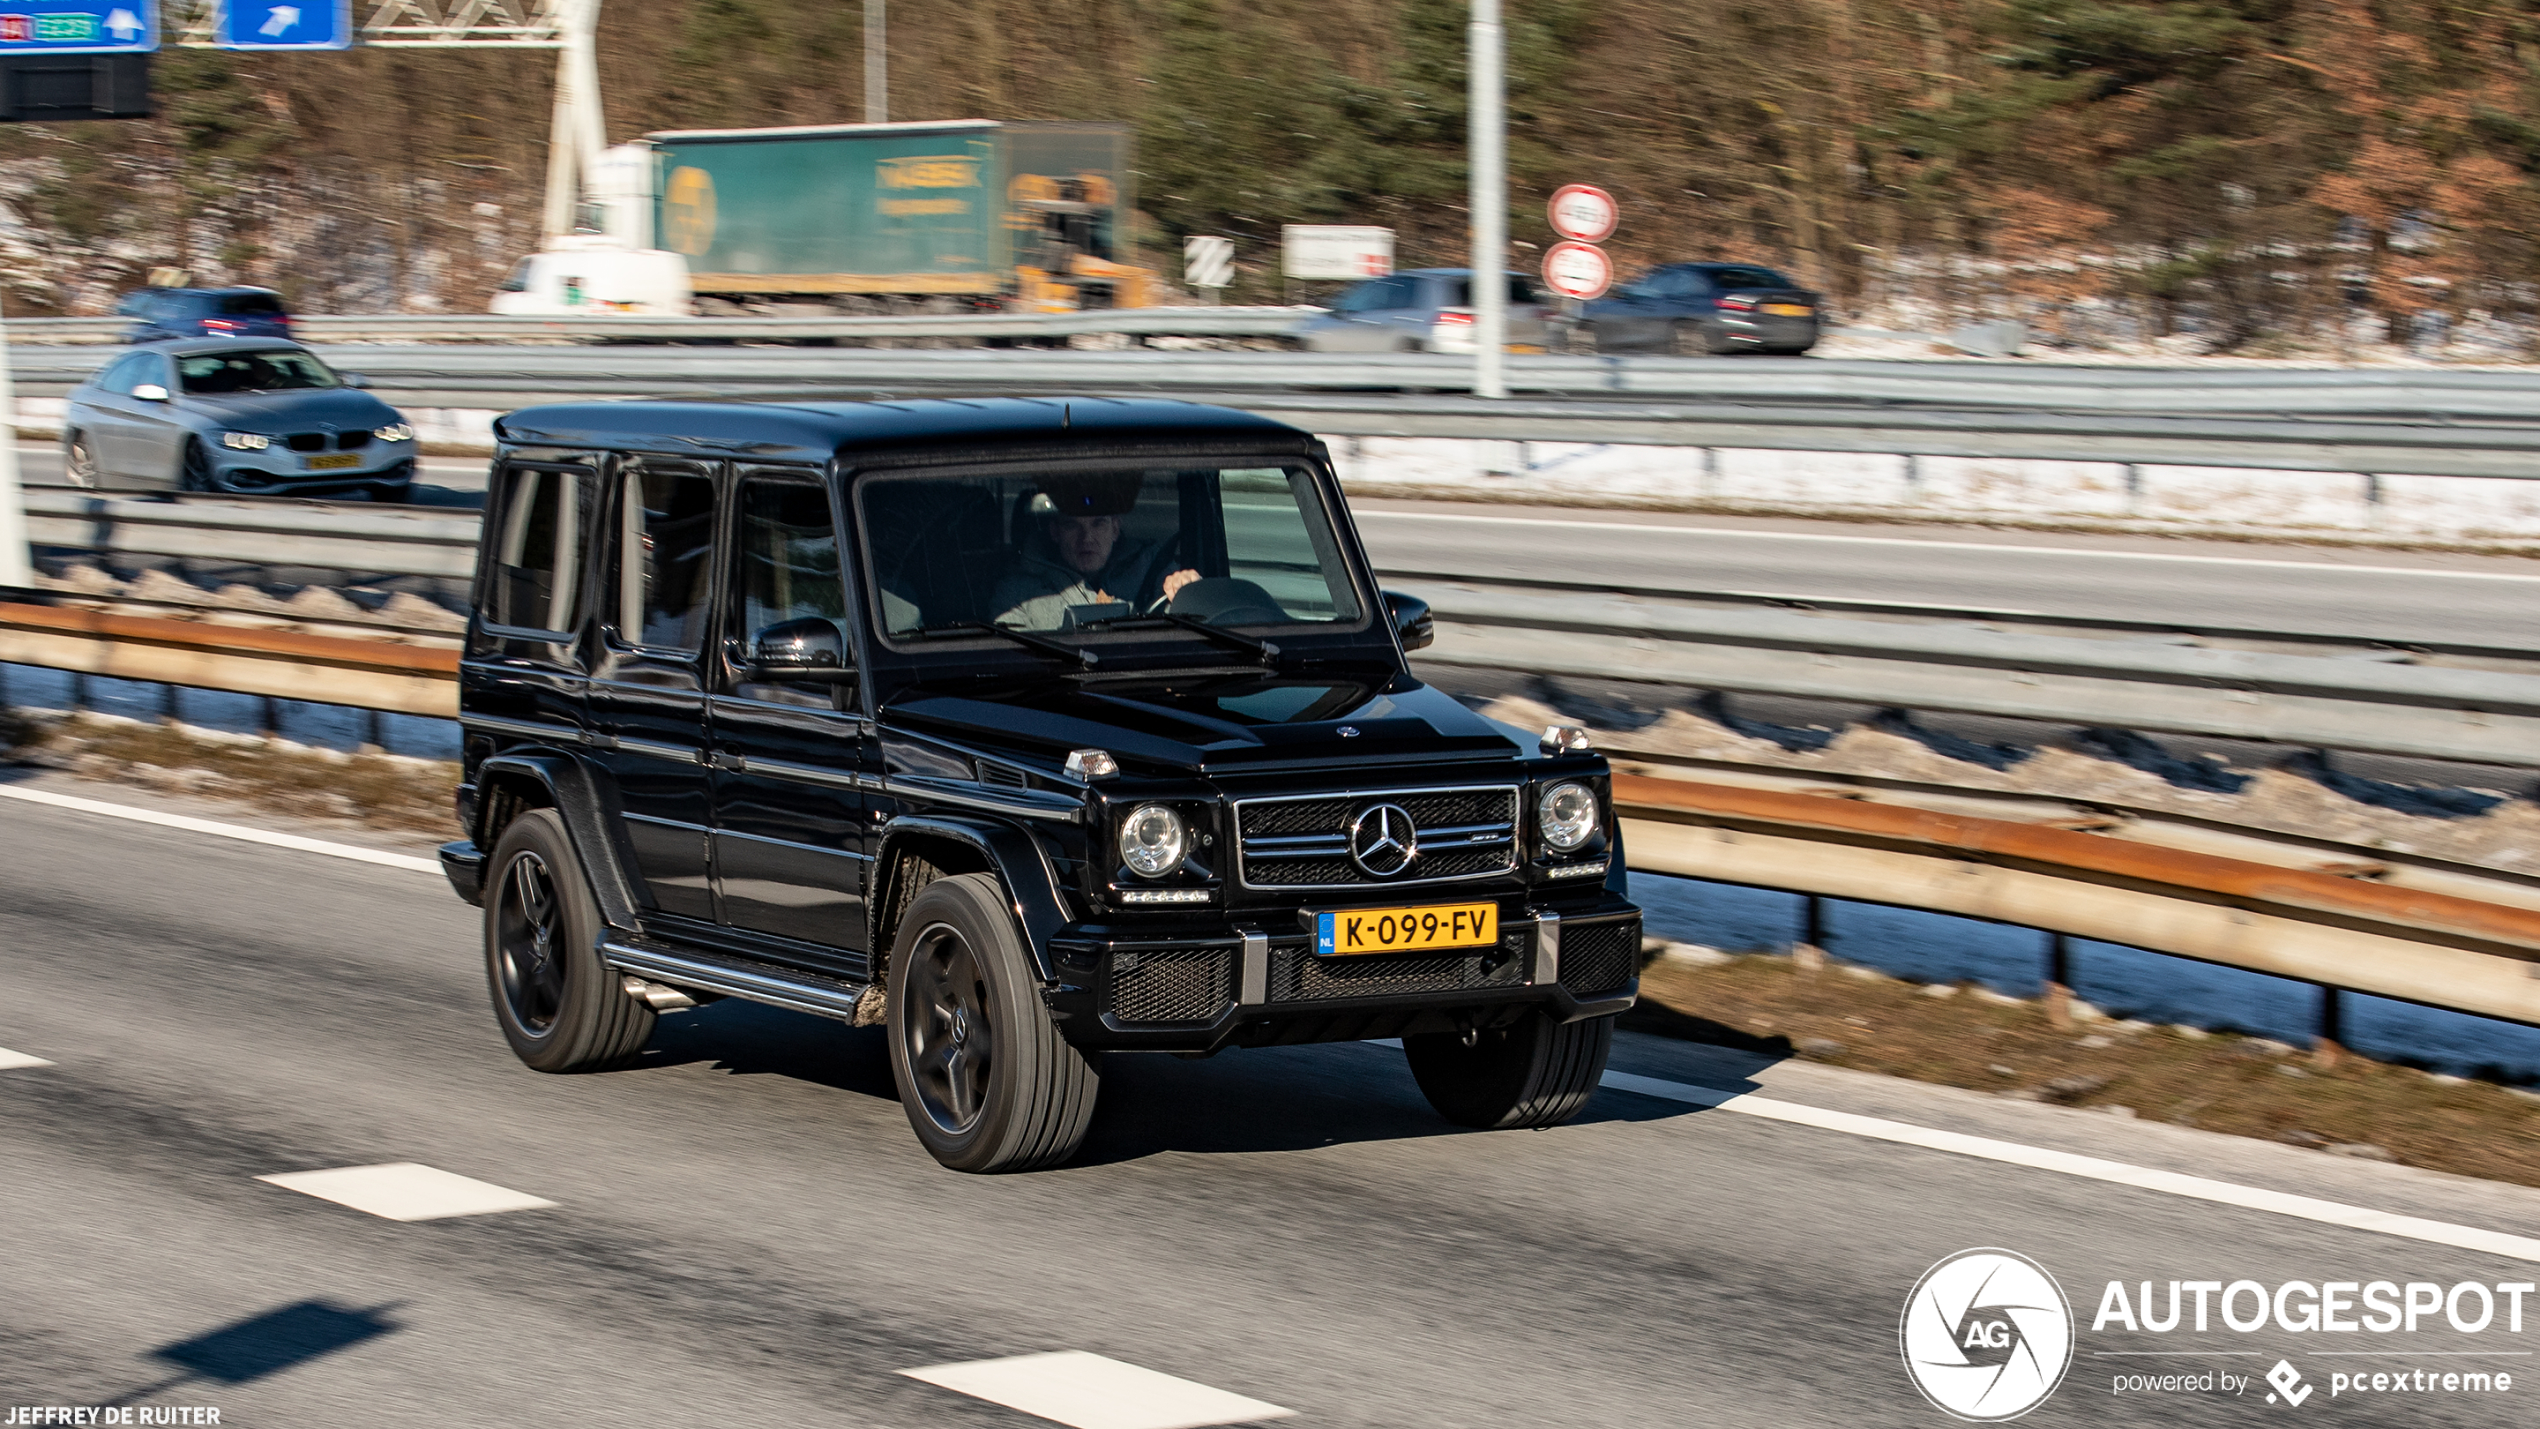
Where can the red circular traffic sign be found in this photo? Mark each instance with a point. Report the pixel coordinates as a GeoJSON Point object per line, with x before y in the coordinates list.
{"type": "Point", "coordinates": [1584, 214]}
{"type": "Point", "coordinates": [1577, 270]}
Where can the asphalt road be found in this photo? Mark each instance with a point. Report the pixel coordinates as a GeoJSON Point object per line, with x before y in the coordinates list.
{"type": "Point", "coordinates": [744, 1231]}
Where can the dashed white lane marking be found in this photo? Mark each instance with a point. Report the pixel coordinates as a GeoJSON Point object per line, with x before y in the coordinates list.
{"type": "Point", "coordinates": [11, 1060]}
{"type": "Point", "coordinates": [2090, 1167]}
{"type": "Point", "coordinates": [1091, 1392]}
{"type": "Point", "coordinates": [228, 831]}
{"type": "Point", "coordinates": [406, 1191]}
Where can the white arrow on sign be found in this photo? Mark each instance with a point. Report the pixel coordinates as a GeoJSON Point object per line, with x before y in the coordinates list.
{"type": "Point", "coordinates": [277, 20]}
{"type": "Point", "coordinates": [123, 25]}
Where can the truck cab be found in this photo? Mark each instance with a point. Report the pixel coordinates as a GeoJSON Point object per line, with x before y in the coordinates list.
{"type": "Point", "coordinates": [1035, 731]}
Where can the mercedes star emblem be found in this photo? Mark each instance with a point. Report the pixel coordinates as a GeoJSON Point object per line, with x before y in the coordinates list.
{"type": "Point", "coordinates": [1384, 841]}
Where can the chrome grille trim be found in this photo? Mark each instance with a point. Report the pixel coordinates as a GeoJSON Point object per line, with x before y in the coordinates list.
{"type": "Point", "coordinates": [1459, 838]}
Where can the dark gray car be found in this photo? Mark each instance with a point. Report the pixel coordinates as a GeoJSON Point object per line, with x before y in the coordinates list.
{"type": "Point", "coordinates": [1424, 310]}
{"type": "Point", "coordinates": [1693, 309]}
{"type": "Point", "coordinates": [235, 414]}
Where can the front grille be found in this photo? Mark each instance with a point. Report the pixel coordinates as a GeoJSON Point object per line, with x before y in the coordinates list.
{"type": "Point", "coordinates": [352, 441]}
{"type": "Point", "coordinates": [1297, 975]}
{"type": "Point", "coordinates": [1600, 957]}
{"type": "Point", "coordinates": [1171, 984]}
{"type": "Point", "coordinates": [1304, 842]}
{"type": "Point", "coordinates": [307, 441]}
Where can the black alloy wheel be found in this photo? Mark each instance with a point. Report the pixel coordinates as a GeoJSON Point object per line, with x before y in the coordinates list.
{"type": "Point", "coordinates": [560, 1007]}
{"type": "Point", "coordinates": [79, 463]}
{"type": "Point", "coordinates": [197, 473]}
{"type": "Point", "coordinates": [1695, 339]}
{"type": "Point", "coordinates": [1537, 1072]}
{"type": "Point", "coordinates": [987, 1081]}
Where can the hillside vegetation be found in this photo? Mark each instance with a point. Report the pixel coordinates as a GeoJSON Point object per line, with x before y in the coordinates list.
{"type": "Point", "coordinates": [2248, 172]}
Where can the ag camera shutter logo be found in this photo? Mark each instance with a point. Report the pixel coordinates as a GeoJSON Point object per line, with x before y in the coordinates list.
{"type": "Point", "coordinates": [1987, 1335]}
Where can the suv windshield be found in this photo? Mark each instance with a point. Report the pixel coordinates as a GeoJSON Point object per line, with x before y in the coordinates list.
{"type": "Point", "coordinates": [1072, 549]}
{"type": "Point", "coordinates": [213, 373]}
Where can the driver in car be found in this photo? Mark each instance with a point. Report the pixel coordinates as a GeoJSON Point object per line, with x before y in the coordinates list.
{"type": "Point", "coordinates": [1076, 557]}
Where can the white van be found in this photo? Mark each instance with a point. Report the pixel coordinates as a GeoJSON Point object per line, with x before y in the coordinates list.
{"type": "Point", "coordinates": [572, 281]}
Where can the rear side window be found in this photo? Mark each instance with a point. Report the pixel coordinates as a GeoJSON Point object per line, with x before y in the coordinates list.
{"type": "Point", "coordinates": [665, 554]}
{"type": "Point", "coordinates": [537, 551]}
{"type": "Point", "coordinates": [251, 305]}
{"type": "Point", "coordinates": [1732, 278]}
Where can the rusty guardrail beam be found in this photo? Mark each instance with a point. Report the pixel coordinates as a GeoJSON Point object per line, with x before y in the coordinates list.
{"type": "Point", "coordinates": [322, 669]}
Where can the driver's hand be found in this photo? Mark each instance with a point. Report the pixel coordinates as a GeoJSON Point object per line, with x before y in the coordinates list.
{"type": "Point", "coordinates": [1173, 583]}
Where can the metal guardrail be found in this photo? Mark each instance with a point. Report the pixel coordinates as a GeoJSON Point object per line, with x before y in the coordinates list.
{"type": "Point", "coordinates": [2345, 422]}
{"type": "Point", "coordinates": [1241, 322]}
{"type": "Point", "coordinates": [2442, 949]}
{"type": "Point", "coordinates": [2473, 706]}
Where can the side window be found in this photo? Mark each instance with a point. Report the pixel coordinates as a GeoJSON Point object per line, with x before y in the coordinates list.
{"type": "Point", "coordinates": [537, 551]}
{"type": "Point", "coordinates": [123, 373]}
{"type": "Point", "coordinates": [785, 566]}
{"type": "Point", "coordinates": [665, 554]}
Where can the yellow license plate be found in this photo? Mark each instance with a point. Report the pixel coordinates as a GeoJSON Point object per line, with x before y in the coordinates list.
{"type": "Point", "coordinates": [336, 462]}
{"type": "Point", "coordinates": [1397, 930]}
{"type": "Point", "coordinates": [1787, 310]}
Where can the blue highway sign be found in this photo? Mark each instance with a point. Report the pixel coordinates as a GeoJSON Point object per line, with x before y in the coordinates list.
{"type": "Point", "coordinates": [284, 25]}
{"type": "Point", "coordinates": [78, 27]}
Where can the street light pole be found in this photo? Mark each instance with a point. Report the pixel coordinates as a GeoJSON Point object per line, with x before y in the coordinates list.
{"type": "Point", "coordinates": [877, 62]}
{"type": "Point", "coordinates": [14, 567]}
{"type": "Point", "coordinates": [1487, 116]}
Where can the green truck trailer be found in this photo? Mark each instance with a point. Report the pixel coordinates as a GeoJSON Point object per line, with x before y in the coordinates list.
{"type": "Point", "coordinates": [962, 213]}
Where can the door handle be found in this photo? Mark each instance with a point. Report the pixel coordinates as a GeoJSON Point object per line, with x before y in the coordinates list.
{"type": "Point", "coordinates": [724, 759]}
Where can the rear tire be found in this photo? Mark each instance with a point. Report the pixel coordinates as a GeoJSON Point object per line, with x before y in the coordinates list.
{"type": "Point", "coordinates": [560, 1007]}
{"type": "Point", "coordinates": [79, 462]}
{"type": "Point", "coordinates": [988, 1082]}
{"type": "Point", "coordinates": [1536, 1073]}
{"type": "Point", "coordinates": [1695, 340]}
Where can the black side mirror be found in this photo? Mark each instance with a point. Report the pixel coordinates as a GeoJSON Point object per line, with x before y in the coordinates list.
{"type": "Point", "coordinates": [1411, 620]}
{"type": "Point", "coordinates": [808, 650]}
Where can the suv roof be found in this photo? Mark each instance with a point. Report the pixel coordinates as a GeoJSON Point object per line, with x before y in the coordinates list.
{"type": "Point", "coordinates": [816, 431]}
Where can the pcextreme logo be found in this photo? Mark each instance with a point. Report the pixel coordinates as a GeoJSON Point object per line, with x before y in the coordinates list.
{"type": "Point", "coordinates": [1987, 1335]}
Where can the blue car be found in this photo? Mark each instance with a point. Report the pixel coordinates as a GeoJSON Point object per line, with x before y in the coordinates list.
{"type": "Point", "coordinates": [237, 415]}
{"type": "Point", "coordinates": [159, 314]}
{"type": "Point", "coordinates": [1697, 309]}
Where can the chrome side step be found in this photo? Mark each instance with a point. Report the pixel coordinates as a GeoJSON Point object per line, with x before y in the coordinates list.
{"type": "Point", "coordinates": [739, 977]}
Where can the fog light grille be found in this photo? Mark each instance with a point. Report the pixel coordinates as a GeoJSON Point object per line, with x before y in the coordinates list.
{"type": "Point", "coordinates": [1171, 984]}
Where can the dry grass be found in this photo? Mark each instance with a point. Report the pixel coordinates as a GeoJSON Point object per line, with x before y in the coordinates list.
{"type": "Point", "coordinates": [1848, 1017]}
{"type": "Point", "coordinates": [381, 790]}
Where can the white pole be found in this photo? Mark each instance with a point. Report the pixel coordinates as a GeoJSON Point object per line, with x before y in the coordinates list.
{"type": "Point", "coordinates": [575, 134]}
{"type": "Point", "coordinates": [14, 567]}
{"type": "Point", "coordinates": [877, 62]}
{"type": "Point", "coordinates": [1487, 114]}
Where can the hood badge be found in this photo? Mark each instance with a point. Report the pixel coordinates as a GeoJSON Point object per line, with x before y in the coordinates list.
{"type": "Point", "coordinates": [1349, 731]}
{"type": "Point", "coordinates": [1384, 840]}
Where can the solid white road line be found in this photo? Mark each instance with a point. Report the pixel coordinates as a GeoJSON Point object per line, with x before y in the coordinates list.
{"type": "Point", "coordinates": [228, 831]}
{"type": "Point", "coordinates": [2090, 1167]}
{"type": "Point", "coordinates": [1995, 547]}
{"type": "Point", "coordinates": [406, 1191]}
{"type": "Point", "coordinates": [1091, 1392]}
{"type": "Point", "coordinates": [10, 1061]}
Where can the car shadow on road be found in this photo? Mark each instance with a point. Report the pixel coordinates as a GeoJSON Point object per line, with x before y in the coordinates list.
{"type": "Point", "coordinates": [1240, 1101]}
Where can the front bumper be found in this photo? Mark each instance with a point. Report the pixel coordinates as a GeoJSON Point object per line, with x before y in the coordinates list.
{"type": "Point", "coordinates": [1258, 987]}
{"type": "Point", "coordinates": [281, 473]}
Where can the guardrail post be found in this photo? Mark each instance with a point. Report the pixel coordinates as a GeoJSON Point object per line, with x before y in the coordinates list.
{"type": "Point", "coordinates": [2059, 981]}
{"type": "Point", "coordinates": [79, 691]}
{"type": "Point", "coordinates": [271, 717]}
{"type": "Point", "coordinates": [169, 709]}
{"type": "Point", "coordinates": [2328, 1049]}
{"type": "Point", "coordinates": [375, 730]}
{"type": "Point", "coordinates": [1809, 953]}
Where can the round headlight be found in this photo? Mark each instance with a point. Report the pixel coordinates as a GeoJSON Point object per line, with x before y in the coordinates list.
{"type": "Point", "coordinates": [1152, 840]}
{"type": "Point", "coordinates": [1568, 816]}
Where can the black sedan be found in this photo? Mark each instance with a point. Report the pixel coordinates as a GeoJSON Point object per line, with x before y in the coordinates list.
{"type": "Point", "coordinates": [1694, 309]}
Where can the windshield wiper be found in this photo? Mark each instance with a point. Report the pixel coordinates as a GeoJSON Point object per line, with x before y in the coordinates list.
{"type": "Point", "coordinates": [1040, 643]}
{"type": "Point", "coordinates": [1236, 639]}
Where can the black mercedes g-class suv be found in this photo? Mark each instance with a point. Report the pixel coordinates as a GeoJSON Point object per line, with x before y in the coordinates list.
{"type": "Point", "coordinates": [1031, 729]}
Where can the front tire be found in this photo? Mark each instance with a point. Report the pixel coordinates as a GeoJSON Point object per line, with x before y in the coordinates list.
{"type": "Point", "coordinates": [194, 473]}
{"type": "Point", "coordinates": [560, 1007]}
{"type": "Point", "coordinates": [1536, 1073]}
{"type": "Point", "coordinates": [988, 1082]}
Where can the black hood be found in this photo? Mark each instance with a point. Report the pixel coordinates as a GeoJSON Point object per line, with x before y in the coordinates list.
{"type": "Point", "coordinates": [1218, 724]}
